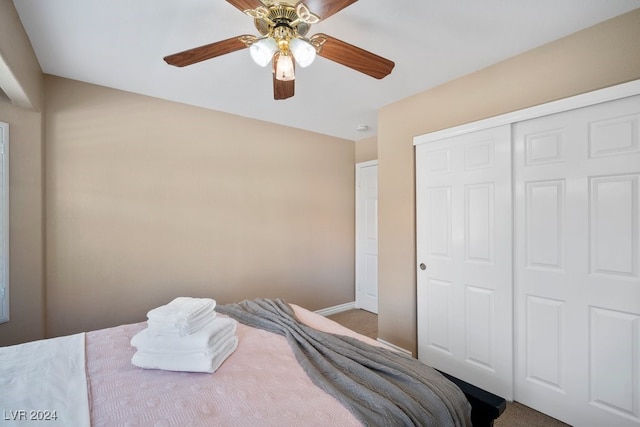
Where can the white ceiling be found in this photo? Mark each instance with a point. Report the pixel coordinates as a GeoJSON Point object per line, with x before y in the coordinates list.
{"type": "Point", "coordinates": [121, 43]}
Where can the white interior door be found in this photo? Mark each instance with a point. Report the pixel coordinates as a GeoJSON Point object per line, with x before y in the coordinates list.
{"type": "Point", "coordinates": [367, 236]}
{"type": "Point", "coordinates": [577, 264]}
{"type": "Point", "coordinates": [464, 210]}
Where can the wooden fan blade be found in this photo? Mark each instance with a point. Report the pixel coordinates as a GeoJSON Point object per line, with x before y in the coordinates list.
{"type": "Point", "coordinates": [325, 8]}
{"type": "Point", "coordinates": [243, 5]}
{"type": "Point", "coordinates": [208, 51]}
{"type": "Point", "coordinates": [283, 90]}
{"type": "Point", "coordinates": [352, 56]}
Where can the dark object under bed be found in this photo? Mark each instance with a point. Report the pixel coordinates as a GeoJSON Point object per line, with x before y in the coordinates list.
{"type": "Point", "coordinates": [485, 406]}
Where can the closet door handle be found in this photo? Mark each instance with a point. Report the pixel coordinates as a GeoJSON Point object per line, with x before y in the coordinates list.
{"type": "Point", "coordinates": [422, 266]}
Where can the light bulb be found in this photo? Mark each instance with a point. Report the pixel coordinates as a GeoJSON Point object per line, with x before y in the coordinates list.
{"type": "Point", "coordinates": [262, 50]}
{"type": "Point", "coordinates": [284, 67]}
{"type": "Point", "coordinates": [303, 51]}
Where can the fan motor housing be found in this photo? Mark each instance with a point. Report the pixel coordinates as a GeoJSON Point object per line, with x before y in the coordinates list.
{"type": "Point", "coordinates": [281, 14]}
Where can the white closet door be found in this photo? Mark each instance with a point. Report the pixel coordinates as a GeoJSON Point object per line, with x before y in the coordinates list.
{"type": "Point", "coordinates": [464, 235]}
{"type": "Point", "coordinates": [577, 264]}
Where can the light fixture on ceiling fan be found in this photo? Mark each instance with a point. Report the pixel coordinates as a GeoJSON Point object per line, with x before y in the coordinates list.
{"type": "Point", "coordinates": [283, 28]}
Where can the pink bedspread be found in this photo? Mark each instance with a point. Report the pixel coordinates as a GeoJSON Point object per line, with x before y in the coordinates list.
{"type": "Point", "coordinates": [260, 384]}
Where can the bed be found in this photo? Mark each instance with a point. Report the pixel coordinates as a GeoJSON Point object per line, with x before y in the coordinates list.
{"type": "Point", "coordinates": [263, 383]}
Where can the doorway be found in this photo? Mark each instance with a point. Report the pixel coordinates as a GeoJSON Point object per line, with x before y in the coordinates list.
{"type": "Point", "coordinates": [367, 236]}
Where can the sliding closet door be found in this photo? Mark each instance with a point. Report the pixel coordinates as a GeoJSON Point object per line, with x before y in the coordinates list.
{"type": "Point", "coordinates": [464, 275]}
{"type": "Point", "coordinates": [577, 264]}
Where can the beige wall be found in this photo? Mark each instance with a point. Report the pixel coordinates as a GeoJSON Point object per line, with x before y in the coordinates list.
{"type": "Point", "coordinates": [21, 78]}
{"type": "Point", "coordinates": [366, 149]}
{"type": "Point", "coordinates": [600, 56]}
{"type": "Point", "coordinates": [148, 200]}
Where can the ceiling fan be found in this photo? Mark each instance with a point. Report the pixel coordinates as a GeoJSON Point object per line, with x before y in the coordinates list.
{"type": "Point", "coordinates": [283, 27]}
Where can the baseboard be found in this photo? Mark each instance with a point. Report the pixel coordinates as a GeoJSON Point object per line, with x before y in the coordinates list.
{"type": "Point", "coordinates": [336, 309]}
{"type": "Point", "coordinates": [395, 347]}
{"type": "Point", "coordinates": [349, 306]}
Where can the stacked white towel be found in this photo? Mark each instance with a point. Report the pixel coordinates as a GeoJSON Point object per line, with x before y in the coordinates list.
{"type": "Point", "coordinates": [185, 335]}
{"type": "Point", "coordinates": [182, 316]}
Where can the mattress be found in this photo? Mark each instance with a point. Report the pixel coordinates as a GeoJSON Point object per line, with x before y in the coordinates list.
{"type": "Point", "coordinates": [260, 384]}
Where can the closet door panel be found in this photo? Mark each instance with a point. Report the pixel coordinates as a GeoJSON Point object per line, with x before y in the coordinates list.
{"type": "Point", "coordinates": [464, 257]}
{"type": "Point", "coordinates": [613, 337]}
{"type": "Point", "coordinates": [544, 236]}
{"type": "Point", "coordinates": [614, 225]}
{"type": "Point", "coordinates": [545, 342]}
{"type": "Point", "coordinates": [576, 264]}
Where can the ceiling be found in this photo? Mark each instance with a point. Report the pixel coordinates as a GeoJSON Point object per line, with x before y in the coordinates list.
{"type": "Point", "coordinates": [121, 43]}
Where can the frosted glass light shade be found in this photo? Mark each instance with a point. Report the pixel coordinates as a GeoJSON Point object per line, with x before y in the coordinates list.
{"type": "Point", "coordinates": [284, 68]}
{"type": "Point", "coordinates": [303, 52]}
{"type": "Point", "coordinates": [262, 51]}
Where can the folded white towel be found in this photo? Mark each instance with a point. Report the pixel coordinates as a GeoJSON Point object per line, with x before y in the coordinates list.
{"type": "Point", "coordinates": [194, 362]}
{"type": "Point", "coordinates": [216, 330]}
{"type": "Point", "coordinates": [182, 316]}
{"type": "Point", "coordinates": [181, 308]}
{"type": "Point", "coordinates": [179, 329]}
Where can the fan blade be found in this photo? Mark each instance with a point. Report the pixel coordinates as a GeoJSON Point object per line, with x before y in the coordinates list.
{"type": "Point", "coordinates": [283, 90]}
{"type": "Point", "coordinates": [352, 56]}
{"type": "Point", "coordinates": [243, 5]}
{"type": "Point", "coordinates": [326, 8]}
{"type": "Point", "coordinates": [208, 51]}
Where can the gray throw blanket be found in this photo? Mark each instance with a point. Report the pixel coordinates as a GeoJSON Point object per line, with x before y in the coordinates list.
{"type": "Point", "coordinates": [380, 387]}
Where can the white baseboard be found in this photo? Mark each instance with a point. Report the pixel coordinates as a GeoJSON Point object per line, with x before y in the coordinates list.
{"type": "Point", "coordinates": [336, 309]}
{"type": "Point", "coordinates": [395, 347]}
{"type": "Point", "coordinates": [349, 306]}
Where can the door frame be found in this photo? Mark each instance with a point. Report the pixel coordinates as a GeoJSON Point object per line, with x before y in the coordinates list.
{"type": "Point", "coordinates": [358, 249]}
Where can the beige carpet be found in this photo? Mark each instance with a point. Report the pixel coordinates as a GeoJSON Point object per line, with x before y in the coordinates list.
{"type": "Point", "coordinates": [361, 321]}
{"type": "Point", "coordinates": [516, 414]}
